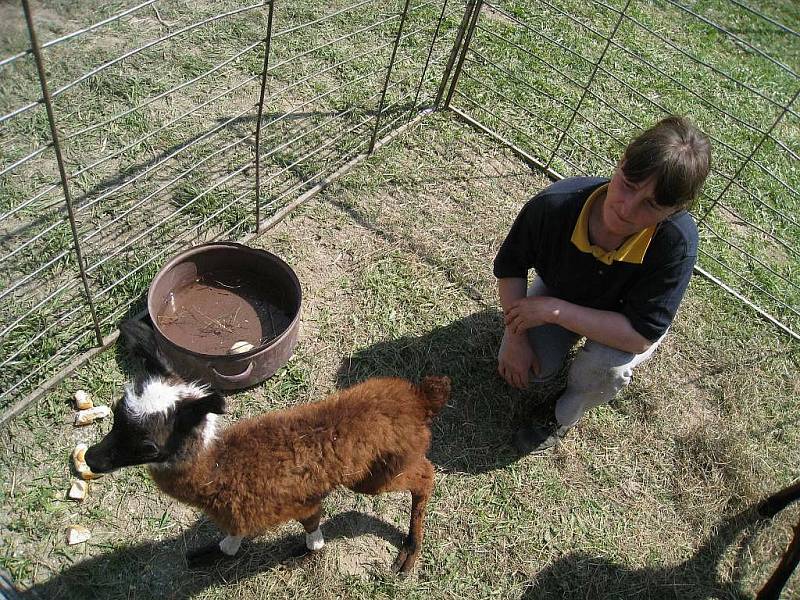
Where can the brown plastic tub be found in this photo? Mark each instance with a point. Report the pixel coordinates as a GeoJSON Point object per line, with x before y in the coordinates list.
{"type": "Point", "coordinates": [210, 302]}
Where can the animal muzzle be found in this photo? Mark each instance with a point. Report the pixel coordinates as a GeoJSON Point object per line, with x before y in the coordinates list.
{"type": "Point", "coordinates": [101, 456]}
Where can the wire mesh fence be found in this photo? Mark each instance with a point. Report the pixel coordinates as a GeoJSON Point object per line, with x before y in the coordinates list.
{"type": "Point", "coordinates": [567, 83]}
{"type": "Point", "coordinates": [130, 133]}
{"type": "Point", "coordinates": [157, 113]}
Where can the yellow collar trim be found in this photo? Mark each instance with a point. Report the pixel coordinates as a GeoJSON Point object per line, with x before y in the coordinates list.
{"type": "Point", "coordinates": [632, 250]}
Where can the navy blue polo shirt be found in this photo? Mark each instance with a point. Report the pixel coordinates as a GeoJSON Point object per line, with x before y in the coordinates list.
{"type": "Point", "coordinates": [648, 294]}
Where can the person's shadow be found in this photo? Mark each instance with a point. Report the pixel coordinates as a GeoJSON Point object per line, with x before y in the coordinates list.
{"type": "Point", "coordinates": [158, 569]}
{"type": "Point", "coordinates": [582, 575]}
{"type": "Point", "coordinates": [473, 432]}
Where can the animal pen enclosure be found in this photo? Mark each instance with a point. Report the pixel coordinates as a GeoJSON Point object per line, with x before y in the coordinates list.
{"type": "Point", "coordinates": [130, 132]}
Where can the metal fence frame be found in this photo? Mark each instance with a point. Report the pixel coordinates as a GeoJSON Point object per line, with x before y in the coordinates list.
{"type": "Point", "coordinates": [373, 130]}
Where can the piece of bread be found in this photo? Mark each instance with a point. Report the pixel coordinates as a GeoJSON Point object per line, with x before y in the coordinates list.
{"type": "Point", "coordinates": [82, 400]}
{"type": "Point", "coordinates": [78, 490]}
{"type": "Point", "coordinates": [77, 534]}
{"type": "Point", "coordinates": [90, 415]}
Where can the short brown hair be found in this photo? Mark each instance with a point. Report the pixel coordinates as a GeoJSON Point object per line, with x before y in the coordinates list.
{"type": "Point", "coordinates": [677, 153]}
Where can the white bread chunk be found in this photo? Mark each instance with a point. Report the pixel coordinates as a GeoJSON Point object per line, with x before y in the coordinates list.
{"type": "Point", "coordinates": [90, 415]}
{"type": "Point", "coordinates": [77, 534]}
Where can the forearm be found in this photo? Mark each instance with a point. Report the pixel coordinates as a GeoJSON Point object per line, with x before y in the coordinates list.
{"type": "Point", "coordinates": [604, 326]}
{"type": "Point", "coordinates": [511, 289]}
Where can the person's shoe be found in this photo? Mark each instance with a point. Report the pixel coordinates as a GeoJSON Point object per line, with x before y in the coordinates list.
{"type": "Point", "coordinates": [538, 438]}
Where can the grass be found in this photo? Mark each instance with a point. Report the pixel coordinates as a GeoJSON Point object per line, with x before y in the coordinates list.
{"type": "Point", "coordinates": [649, 499]}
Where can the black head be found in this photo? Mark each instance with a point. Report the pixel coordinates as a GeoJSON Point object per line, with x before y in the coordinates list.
{"type": "Point", "coordinates": [161, 417]}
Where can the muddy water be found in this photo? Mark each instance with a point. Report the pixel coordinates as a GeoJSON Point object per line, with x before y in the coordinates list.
{"type": "Point", "coordinates": [220, 308]}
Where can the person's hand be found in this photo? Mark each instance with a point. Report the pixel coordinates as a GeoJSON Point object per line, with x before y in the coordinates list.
{"type": "Point", "coordinates": [531, 312]}
{"type": "Point", "coordinates": [516, 360]}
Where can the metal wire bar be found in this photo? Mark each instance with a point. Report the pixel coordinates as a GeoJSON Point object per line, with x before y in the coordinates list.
{"type": "Point", "coordinates": [763, 231]}
{"type": "Point", "coordinates": [127, 55]}
{"type": "Point", "coordinates": [589, 83]}
{"type": "Point", "coordinates": [253, 78]}
{"type": "Point", "coordinates": [62, 352]}
{"type": "Point", "coordinates": [30, 156]}
{"type": "Point", "coordinates": [262, 93]}
{"type": "Point", "coordinates": [219, 211]}
{"type": "Point", "coordinates": [507, 124]}
{"type": "Point", "coordinates": [19, 350]}
{"type": "Point", "coordinates": [430, 51]}
{"type": "Point", "coordinates": [167, 125]}
{"type": "Point", "coordinates": [699, 96]}
{"type": "Point", "coordinates": [524, 155]}
{"type": "Point", "coordinates": [732, 35]}
{"type": "Point", "coordinates": [755, 149]}
{"type": "Point", "coordinates": [752, 257]}
{"type": "Point", "coordinates": [542, 92]}
{"type": "Point", "coordinates": [747, 302]}
{"type": "Point", "coordinates": [328, 17]}
{"type": "Point", "coordinates": [344, 37]}
{"type": "Point", "coordinates": [70, 284]}
{"type": "Point", "coordinates": [123, 114]}
{"type": "Point", "coordinates": [465, 47]}
{"type": "Point", "coordinates": [60, 160]}
{"type": "Point", "coordinates": [388, 75]}
{"type": "Point", "coordinates": [605, 71]}
{"type": "Point", "coordinates": [765, 17]}
{"type": "Point", "coordinates": [180, 209]}
{"type": "Point", "coordinates": [697, 60]}
{"type": "Point", "coordinates": [231, 146]}
{"type": "Point", "coordinates": [752, 284]}
{"type": "Point", "coordinates": [69, 36]}
{"type": "Point", "coordinates": [457, 43]}
{"type": "Point", "coordinates": [664, 109]}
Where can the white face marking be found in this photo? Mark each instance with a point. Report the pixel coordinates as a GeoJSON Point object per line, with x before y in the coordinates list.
{"type": "Point", "coordinates": [230, 545]}
{"type": "Point", "coordinates": [314, 540]}
{"type": "Point", "coordinates": [159, 396]}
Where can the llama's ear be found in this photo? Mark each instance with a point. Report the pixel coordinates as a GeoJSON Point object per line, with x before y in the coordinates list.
{"type": "Point", "coordinates": [140, 342]}
{"type": "Point", "coordinates": [192, 412]}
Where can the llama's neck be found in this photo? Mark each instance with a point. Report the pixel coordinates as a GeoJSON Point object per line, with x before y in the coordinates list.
{"type": "Point", "coordinates": [191, 474]}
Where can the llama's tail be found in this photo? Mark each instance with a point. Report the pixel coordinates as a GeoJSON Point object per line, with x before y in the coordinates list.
{"type": "Point", "coordinates": [435, 393]}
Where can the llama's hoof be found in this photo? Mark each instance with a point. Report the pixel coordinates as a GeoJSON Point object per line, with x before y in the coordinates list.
{"type": "Point", "coordinates": [206, 556]}
{"type": "Point", "coordinates": [300, 557]}
{"type": "Point", "coordinates": [405, 560]}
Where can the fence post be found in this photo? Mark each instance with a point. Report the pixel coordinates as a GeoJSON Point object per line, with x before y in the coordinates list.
{"type": "Point", "coordinates": [48, 103]}
{"type": "Point", "coordinates": [430, 53]}
{"type": "Point", "coordinates": [267, 44]}
{"type": "Point", "coordinates": [464, 47]}
{"type": "Point", "coordinates": [388, 76]}
{"type": "Point", "coordinates": [588, 83]}
{"type": "Point", "coordinates": [749, 158]}
{"type": "Point", "coordinates": [454, 52]}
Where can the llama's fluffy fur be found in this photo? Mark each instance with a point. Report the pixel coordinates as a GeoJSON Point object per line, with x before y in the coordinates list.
{"type": "Point", "coordinates": [278, 466]}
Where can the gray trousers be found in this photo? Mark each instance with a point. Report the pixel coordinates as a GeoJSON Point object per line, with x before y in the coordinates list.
{"type": "Point", "coordinates": [595, 377]}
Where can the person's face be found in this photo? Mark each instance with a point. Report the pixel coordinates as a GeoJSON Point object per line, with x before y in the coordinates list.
{"type": "Point", "coordinates": [631, 207]}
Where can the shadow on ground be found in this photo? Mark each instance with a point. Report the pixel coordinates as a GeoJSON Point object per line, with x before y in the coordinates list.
{"type": "Point", "coordinates": [158, 569]}
{"type": "Point", "coordinates": [473, 432]}
{"type": "Point", "coordinates": [581, 575]}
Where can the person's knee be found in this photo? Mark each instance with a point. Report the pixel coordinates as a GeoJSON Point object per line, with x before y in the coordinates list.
{"type": "Point", "coordinates": [601, 368]}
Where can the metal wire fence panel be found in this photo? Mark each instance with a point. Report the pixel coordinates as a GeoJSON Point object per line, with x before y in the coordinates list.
{"type": "Point", "coordinates": [568, 83]}
{"type": "Point", "coordinates": [155, 106]}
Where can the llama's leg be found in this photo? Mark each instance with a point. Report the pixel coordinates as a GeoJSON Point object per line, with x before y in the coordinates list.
{"type": "Point", "coordinates": [230, 545]}
{"type": "Point", "coordinates": [314, 539]}
{"type": "Point", "coordinates": [419, 481]}
{"type": "Point", "coordinates": [417, 478]}
{"type": "Point", "coordinates": [212, 553]}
